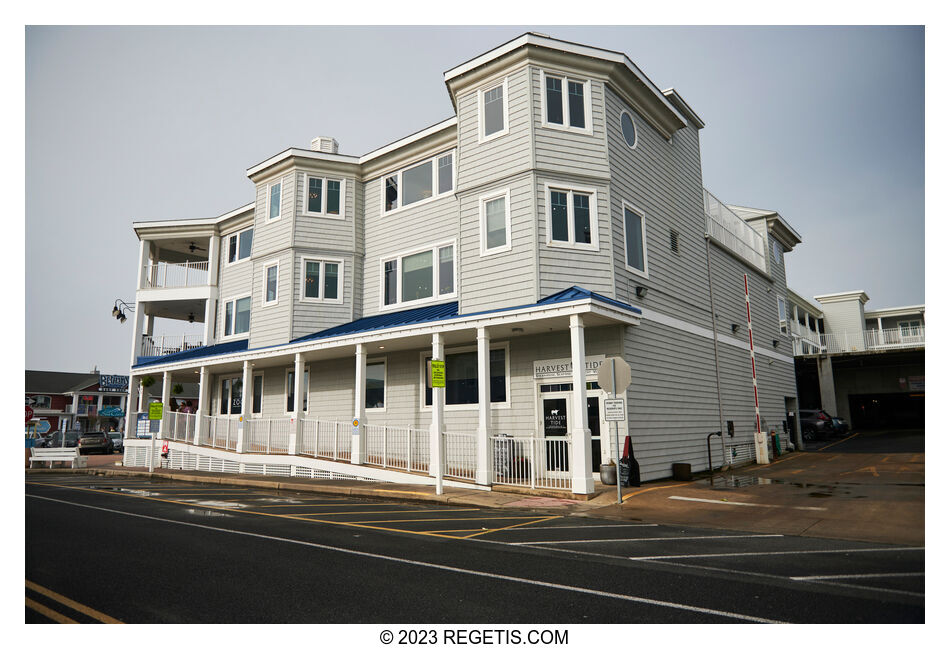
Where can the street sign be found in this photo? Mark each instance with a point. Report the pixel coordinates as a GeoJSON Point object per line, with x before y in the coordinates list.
{"type": "Point", "coordinates": [29, 416]}
{"type": "Point", "coordinates": [612, 369]}
{"type": "Point", "coordinates": [614, 410]}
{"type": "Point", "coordinates": [165, 448]}
{"type": "Point", "coordinates": [437, 374]}
{"type": "Point", "coordinates": [155, 410]}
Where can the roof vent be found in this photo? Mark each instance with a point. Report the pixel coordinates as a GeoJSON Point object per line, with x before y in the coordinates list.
{"type": "Point", "coordinates": [324, 144]}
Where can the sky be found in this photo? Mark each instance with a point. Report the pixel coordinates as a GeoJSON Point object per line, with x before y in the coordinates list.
{"type": "Point", "coordinates": [823, 124]}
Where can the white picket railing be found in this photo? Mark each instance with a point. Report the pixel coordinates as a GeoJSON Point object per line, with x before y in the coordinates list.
{"type": "Point", "coordinates": [867, 340]}
{"type": "Point", "coordinates": [329, 440]}
{"type": "Point", "coordinates": [397, 447]}
{"type": "Point", "coordinates": [458, 456]}
{"type": "Point", "coordinates": [267, 435]}
{"type": "Point", "coordinates": [160, 345]}
{"type": "Point", "coordinates": [220, 432]}
{"type": "Point", "coordinates": [165, 275]}
{"type": "Point", "coordinates": [729, 229]}
{"type": "Point", "coordinates": [179, 426]}
{"type": "Point", "coordinates": [531, 461]}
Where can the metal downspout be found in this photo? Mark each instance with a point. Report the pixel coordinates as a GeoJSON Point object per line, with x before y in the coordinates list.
{"type": "Point", "coordinates": [712, 306]}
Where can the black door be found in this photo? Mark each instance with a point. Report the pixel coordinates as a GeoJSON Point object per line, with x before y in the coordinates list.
{"type": "Point", "coordinates": [593, 423]}
{"type": "Point", "coordinates": [555, 425]}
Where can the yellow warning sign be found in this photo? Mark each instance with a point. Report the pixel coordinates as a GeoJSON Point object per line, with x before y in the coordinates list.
{"type": "Point", "coordinates": [436, 374]}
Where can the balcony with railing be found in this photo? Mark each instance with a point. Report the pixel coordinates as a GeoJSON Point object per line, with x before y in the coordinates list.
{"type": "Point", "coordinates": [733, 233]}
{"type": "Point", "coordinates": [168, 275]}
{"type": "Point", "coordinates": [869, 340]}
{"type": "Point", "coordinates": [160, 345]}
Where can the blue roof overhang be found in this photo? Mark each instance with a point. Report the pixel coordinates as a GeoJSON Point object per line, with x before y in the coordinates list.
{"type": "Point", "coordinates": [440, 318]}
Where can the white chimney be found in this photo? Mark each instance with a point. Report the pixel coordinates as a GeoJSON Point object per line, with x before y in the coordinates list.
{"type": "Point", "coordinates": [324, 144]}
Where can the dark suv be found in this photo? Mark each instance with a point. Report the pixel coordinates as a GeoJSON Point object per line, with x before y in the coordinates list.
{"type": "Point", "coordinates": [95, 442]}
{"type": "Point", "coordinates": [816, 424]}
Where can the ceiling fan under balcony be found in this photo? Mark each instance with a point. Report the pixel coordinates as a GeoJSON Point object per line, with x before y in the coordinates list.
{"type": "Point", "coordinates": [192, 247]}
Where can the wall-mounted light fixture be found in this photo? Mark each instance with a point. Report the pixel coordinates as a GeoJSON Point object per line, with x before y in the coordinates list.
{"type": "Point", "coordinates": [191, 318]}
{"type": "Point", "coordinates": [641, 292]}
{"type": "Point", "coordinates": [517, 330]}
{"type": "Point", "coordinates": [775, 344]}
{"type": "Point", "coordinates": [735, 328]}
{"type": "Point", "coordinates": [118, 312]}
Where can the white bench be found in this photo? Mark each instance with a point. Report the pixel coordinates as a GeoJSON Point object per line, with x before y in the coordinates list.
{"type": "Point", "coordinates": [51, 455]}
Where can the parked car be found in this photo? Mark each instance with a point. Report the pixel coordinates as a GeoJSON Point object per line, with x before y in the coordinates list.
{"type": "Point", "coordinates": [72, 439]}
{"type": "Point", "coordinates": [117, 444]}
{"type": "Point", "coordinates": [816, 424]}
{"type": "Point", "coordinates": [95, 442]}
{"type": "Point", "coordinates": [839, 426]}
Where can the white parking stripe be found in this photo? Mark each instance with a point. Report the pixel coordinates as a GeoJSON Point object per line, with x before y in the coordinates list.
{"type": "Point", "coordinates": [762, 554]}
{"type": "Point", "coordinates": [738, 504]}
{"type": "Point", "coordinates": [655, 538]}
{"type": "Point", "coordinates": [436, 566]}
{"type": "Point", "coordinates": [864, 576]}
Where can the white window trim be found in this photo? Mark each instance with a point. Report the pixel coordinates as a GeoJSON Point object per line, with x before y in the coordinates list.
{"type": "Point", "coordinates": [280, 201]}
{"type": "Point", "coordinates": [594, 245]}
{"type": "Point", "coordinates": [503, 83]}
{"type": "Point", "coordinates": [564, 77]}
{"type": "Point", "coordinates": [303, 279]}
{"type": "Point", "coordinates": [782, 305]}
{"type": "Point", "coordinates": [323, 197]}
{"type": "Point", "coordinates": [227, 246]}
{"type": "Point", "coordinates": [499, 405]}
{"type": "Point", "coordinates": [265, 266]}
{"type": "Point", "coordinates": [257, 415]}
{"type": "Point", "coordinates": [636, 131]}
{"type": "Point", "coordinates": [400, 185]}
{"type": "Point", "coordinates": [221, 379]}
{"type": "Point", "coordinates": [434, 248]}
{"type": "Point", "coordinates": [645, 273]}
{"type": "Point", "coordinates": [376, 361]}
{"type": "Point", "coordinates": [224, 306]}
{"type": "Point", "coordinates": [483, 222]}
{"type": "Point", "coordinates": [306, 369]}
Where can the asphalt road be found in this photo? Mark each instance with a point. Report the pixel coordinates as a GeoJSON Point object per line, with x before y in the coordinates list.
{"type": "Point", "coordinates": [148, 551]}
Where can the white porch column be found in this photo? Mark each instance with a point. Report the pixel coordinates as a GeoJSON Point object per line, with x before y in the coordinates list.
{"type": "Point", "coordinates": [438, 417]}
{"type": "Point", "coordinates": [144, 258]}
{"type": "Point", "coordinates": [483, 434]}
{"type": "Point", "coordinates": [358, 448]}
{"type": "Point", "coordinates": [581, 480]}
{"type": "Point", "coordinates": [208, 336]}
{"type": "Point", "coordinates": [247, 405]}
{"type": "Point", "coordinates": [166, 402]}
{"type": "Point", "coordinates": [131, 409]}
{"type": "Point", "coordinates": [299, 394]}
{"type": "Point", "coordinates": [214, 258]}
{"type": "Point", "coordinates": [204, 384]}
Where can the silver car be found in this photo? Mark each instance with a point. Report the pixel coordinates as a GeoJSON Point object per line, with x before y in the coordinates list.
{"type": "Point", "coordinates": [116, 438]}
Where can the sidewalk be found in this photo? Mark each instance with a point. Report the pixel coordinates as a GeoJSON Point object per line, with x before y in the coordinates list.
{"type": "Point", "coordinates": [856, 496]}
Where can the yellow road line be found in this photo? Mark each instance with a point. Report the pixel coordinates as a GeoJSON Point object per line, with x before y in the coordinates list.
{"type": "Point", "coordinates": [839, 441]}
{"type": "Point", "coordinates": [317, 505]}
{"type": "Point", "coordinates": [388, 511]}
{"type": "Point", "coordinates": [413, 520]}
{"type": "Point", "coordinates": [499, 529]}
{"type": "Point", "coordinates": [396, 491]}
{"type": "Point", "coordinates": [241, 511]}
{"type": "Point", "coordinates": [49, 613]}
{"type": "Point", "coordinates": [643, 491]}
{"type": "Point", "coordinates": [85, 610]}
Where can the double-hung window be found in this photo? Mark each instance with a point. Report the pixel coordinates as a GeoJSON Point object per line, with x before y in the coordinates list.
{"type": "Point", "coordinates": [291, 386]}
{"type": "Point", "coordinates": [566, 102]}
{"type": "Point", "coordinates": [321, 280]}
{"type": "Point", "coordinates": [324, 197]}
{"type": "Point", "coordinates": [271, 275]}
{"type": "Point", "coordinates": [495, 219]}
{"type": "Point", "coordinates": [273, 205]}
{"type": "Point", "coordinates": [419, 276]}
{"type": "Point", "coordinates": [635, 240]}
{"type": "Point", "coordinates": [782, 316]}
{"type": "Point", "coordinates": [493, 111]}
{"type": "Point", "coordinates": [461, 377]}
{"type": "Point", "coordinates": [375, 385]}
{"type": "Point", "coordinates": [239, 245]}
{"type": "Point", "coordinates": [420, 182]}
{"type": "Point", "coordinates": [258, 394]}
{"type": "Point", "coordinates": [572, 217]}
{"type": "Point", "coordinates": [231, 397]}
{"type": "Point", "coordinates": [237, 316]}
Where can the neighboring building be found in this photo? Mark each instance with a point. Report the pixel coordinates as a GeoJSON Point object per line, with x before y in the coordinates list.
{"type": "Point", "coordinates": [864, 365]}
{"type": "Point", "coordinates": [76, 401]}
{"type": "Point", "coordinates": [557, 219]}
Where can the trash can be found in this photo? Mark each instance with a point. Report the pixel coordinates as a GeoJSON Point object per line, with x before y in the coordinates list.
{"type": "Point", "coordinates": [682, 471]}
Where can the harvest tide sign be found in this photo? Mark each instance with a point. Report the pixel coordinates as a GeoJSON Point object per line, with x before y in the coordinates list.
{"type": "Point", "coordinates": [562, 368]}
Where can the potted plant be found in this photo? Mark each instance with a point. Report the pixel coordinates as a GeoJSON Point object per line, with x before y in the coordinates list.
{"type": "Point", "coordinates": [148, 381]}
{"type": "Point", "coordinates": [608, 473]}
{"type": "Point", "coordinates": [177, 389]}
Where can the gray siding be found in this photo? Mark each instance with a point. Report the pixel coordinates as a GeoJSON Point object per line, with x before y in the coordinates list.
{"type": "Point", "coordinates": [310, 317]}
{"type": "Point", "coordinates": [234, 280]}
{"type": "Point", "coordinates": [270, 325]}
{"type": "Point", "coordinates": [843, 317]}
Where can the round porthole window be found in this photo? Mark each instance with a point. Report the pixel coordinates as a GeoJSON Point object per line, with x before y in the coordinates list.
{"type": "Point", "coordinates": [628, 129]}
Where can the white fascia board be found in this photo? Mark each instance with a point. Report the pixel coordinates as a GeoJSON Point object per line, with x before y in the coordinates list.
{"type": "Point", "coordinates": [843, 296]}
{"type": "Point", "coordinates": [409, 139]}
{"type": "Point", "coordinates": [514, 316]}
{"type": "Point", "coordinates": [684, 107]}
{"type": "Point", "coordinates": [136, 225]}
{"type": "Point", "coordinates": [563, 46]}
{"type": "Point", "coordinates": [301, 153]}
{"type": "Point", "coordinates": [895, 311]}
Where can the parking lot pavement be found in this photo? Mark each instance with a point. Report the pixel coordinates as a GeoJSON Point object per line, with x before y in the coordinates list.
{"type": "Point", "coordinates": [660, 572]}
